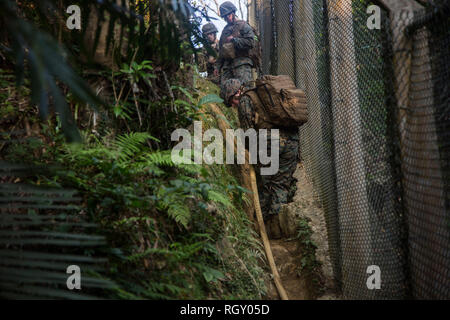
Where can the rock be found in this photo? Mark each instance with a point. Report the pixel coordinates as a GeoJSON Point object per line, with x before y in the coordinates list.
{"type": "Point", "coordinates": [279, 252]}
{"type": "Point", "coordinates": [288, 221]}
{"type": "Point", "coordinates": [273, 227]}
{"type": "Point", "coordinates": [284, 259]}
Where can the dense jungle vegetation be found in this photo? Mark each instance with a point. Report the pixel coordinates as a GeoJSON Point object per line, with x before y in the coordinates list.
{"type": "Point", "coordinates": [86, 173]}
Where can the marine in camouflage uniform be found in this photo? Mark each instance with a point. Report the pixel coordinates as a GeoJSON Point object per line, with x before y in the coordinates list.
{"type": "Point", "coordinates": [208, 61]}
{"type": "Point", "coordinates": [241, 66]}
{"type": "Point", "coordinates": [274, 190]}
{"type": "Point", "coordinates": [280, 188]}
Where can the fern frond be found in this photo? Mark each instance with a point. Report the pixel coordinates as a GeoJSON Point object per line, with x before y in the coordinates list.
{"type": "Point", "coordinates": [173, 202]}
{"type": "Point", "coordinates": [180, 213]}
{"type": "Point", "coordinates": [160, 158]}
{"type": "Point", "coordinates": [192, 169]}
{"type": "Point", "coordinates": [219, 198]}
{"type": "Point", "coordinates": [131, 144]}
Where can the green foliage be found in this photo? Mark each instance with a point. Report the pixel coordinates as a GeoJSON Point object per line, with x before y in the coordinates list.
{"type": "Point", "coordinates": [46, 64]}
{"type": "Point", "coordinates": [157, 229]}
{"type": "Point", "coordinates": [309, 264]}
{"type": "Point", "coordinates": [129, 145]}
{"type": "Point", "coordinates": [210, 98]}
{"type": "Point", "coordinates": [31, 31]}
{"type": "Point", "coordinates": [40, 237]}
{"type": "Point", "coordinates": [146, 197]}
{"type": "Point", "coordinates": [138, 71]}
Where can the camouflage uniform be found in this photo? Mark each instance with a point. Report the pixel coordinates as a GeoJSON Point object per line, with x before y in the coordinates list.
{"type": "Point", "coordinates": [274, 190]}
{"type": "Point", "coordinates": [228, 89]}
{"type": "Point", "coordinates": [280, 188]}
{"type": "Point", "coordinates": [241, 66]}
{"type": "Point", "coordinates": [210, 66]}
{"type": "Point", "coordinates": [205, 65]}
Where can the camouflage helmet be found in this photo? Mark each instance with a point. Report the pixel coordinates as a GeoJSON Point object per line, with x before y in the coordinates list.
{"type": "Point", "coordinates": [226, 8]}
{"type": "Point", "coordinates": [209, 28]}
{"type": "Point", "coordinates": [229, 88]}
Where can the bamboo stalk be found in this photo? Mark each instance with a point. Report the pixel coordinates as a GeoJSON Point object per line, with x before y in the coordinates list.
{"type": "Point", "coordinates": [265, 239]}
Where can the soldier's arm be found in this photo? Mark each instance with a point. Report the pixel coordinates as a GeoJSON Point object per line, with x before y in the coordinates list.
{"type": "Point", "coordinates": [213, 58]}
{"type": "Point", "coordinates": [219, 62]}
{"type": "Point", "coordinates": [246, 40]}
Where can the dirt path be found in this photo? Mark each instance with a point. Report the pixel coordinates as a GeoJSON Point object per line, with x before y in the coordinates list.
{"type": "Point", "coordinates": [288, 259]}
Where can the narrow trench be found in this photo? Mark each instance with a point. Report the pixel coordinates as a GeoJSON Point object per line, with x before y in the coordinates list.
{"type": "Point", "coordinates": [305, 273]}
{"type": "Point", "coordinates": [289, 251]}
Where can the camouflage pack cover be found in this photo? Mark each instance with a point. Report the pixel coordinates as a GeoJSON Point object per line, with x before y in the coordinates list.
{"type": "Point", "coordinates": [278, 103]}
{"type": "Point", "coordinates": [228, 51]}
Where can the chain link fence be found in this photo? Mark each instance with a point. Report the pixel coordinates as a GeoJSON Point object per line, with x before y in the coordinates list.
{"type": "Point", "coordinates": [377, 143]}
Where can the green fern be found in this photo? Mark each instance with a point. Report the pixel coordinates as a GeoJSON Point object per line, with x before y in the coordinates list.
{"type": "Point", "coordinates": [219, 197]}
{"type": "Point", "coordinates": [130, 145]}
{"type": "Point", "coordinates": [180, 213]}
{"type": "Point", "coordinates": [160, 158]}
{"type": "Point", "coordinates": [173, 202]}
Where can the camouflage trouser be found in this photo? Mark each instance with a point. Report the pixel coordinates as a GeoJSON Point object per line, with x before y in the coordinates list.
{"type": "Point", "coordinates": [246, 113]}
{"type": "Point", "coordinates": [240, 68]}
{"type": "Point", "coordinates": [278, 189]}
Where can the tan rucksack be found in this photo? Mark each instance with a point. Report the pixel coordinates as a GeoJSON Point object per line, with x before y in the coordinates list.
{"type": "Point", "coordinates": [278, 103]}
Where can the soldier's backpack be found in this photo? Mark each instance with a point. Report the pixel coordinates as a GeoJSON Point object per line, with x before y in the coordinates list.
{"type": "Point", "coordinates": [254, 53]}
{"type": "Point", "coordinates": [278, 103]}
